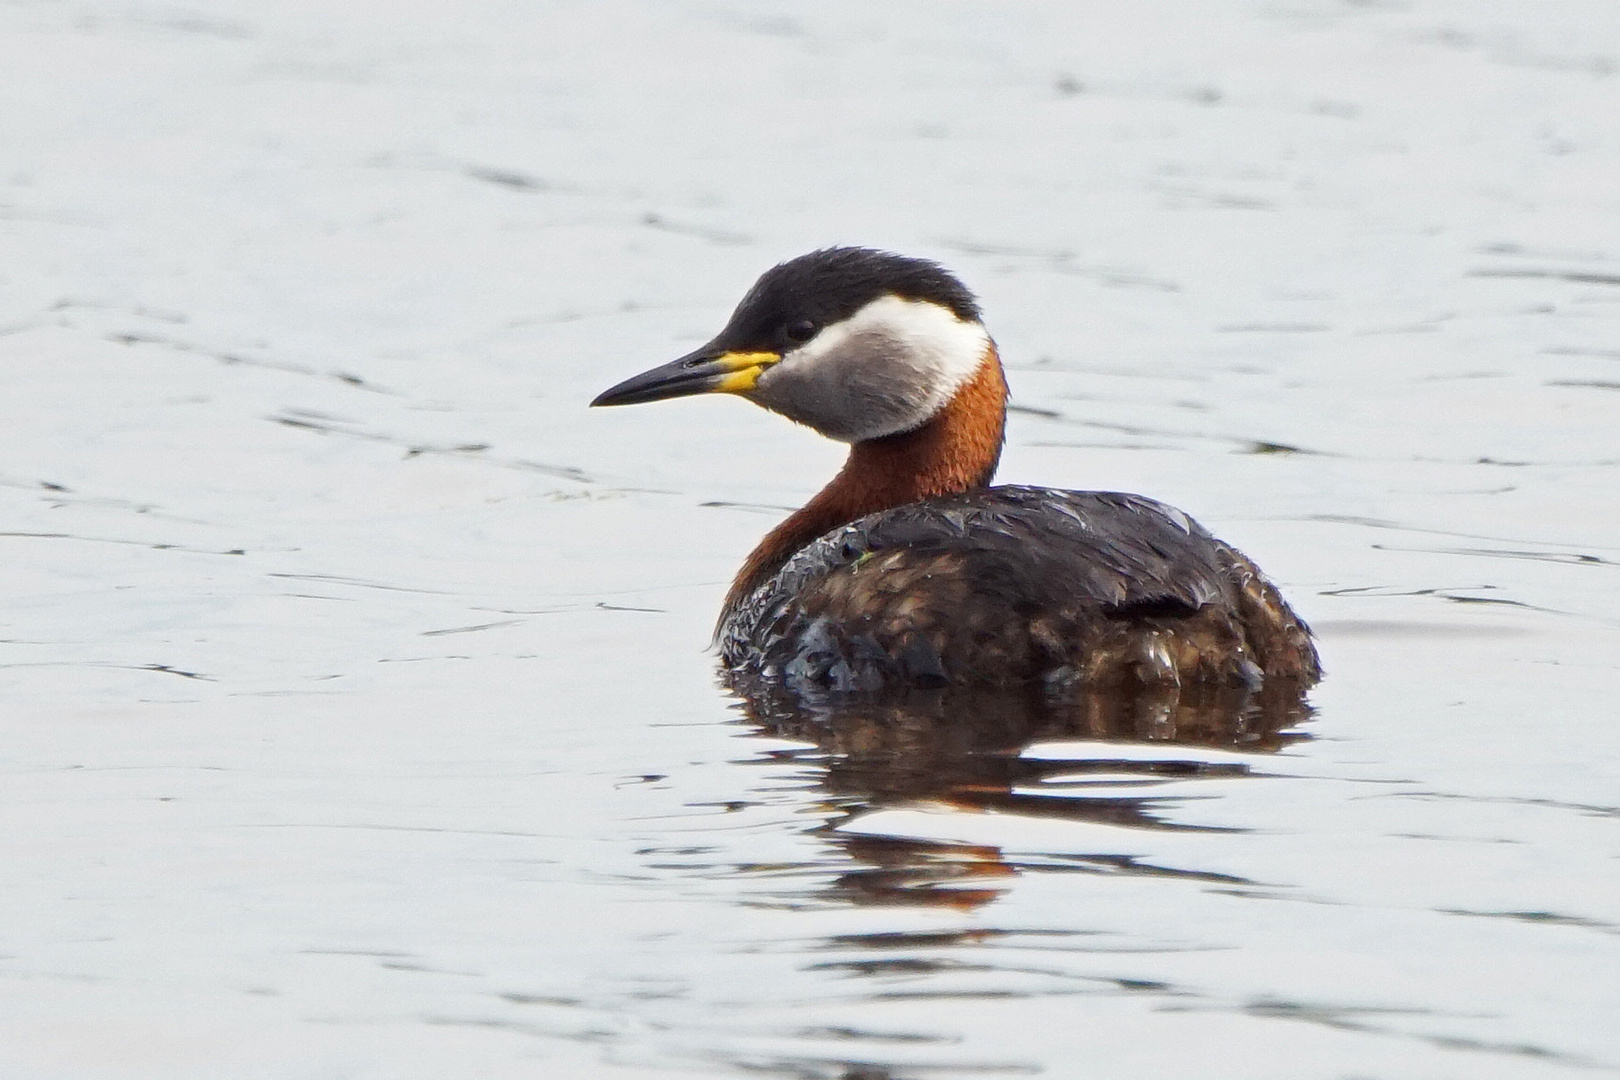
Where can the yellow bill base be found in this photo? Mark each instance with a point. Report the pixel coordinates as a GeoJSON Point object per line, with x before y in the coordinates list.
{"type": "Point", "coordinates": [745, 370]}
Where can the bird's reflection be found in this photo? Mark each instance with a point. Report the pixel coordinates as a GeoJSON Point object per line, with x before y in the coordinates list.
{"type": "Point", "coordinates": [965, 749]}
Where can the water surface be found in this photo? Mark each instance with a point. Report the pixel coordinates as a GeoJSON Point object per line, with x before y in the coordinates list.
{"type": "Point", "coordinates": [357, 718]}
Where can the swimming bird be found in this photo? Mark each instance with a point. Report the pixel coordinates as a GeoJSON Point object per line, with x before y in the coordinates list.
{"type": "Point", "coordinates": [909, 569]}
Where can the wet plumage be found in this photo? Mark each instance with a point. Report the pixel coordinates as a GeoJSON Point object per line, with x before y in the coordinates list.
{"type": "Point", "coordinates": [907, 569]}
{"type": "Point", "coordinates": [999, 586]}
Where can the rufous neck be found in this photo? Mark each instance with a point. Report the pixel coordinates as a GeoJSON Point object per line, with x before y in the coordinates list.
{"type": "Point", "coordinates": [957, 450]}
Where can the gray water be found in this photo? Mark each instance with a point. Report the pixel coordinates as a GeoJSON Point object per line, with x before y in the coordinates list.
{"type": "Point", "coordinates": [358, 721]}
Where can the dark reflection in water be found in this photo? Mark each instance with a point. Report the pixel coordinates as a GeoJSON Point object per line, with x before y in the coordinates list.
{"type": "Point", "coordinates": [964, 749]}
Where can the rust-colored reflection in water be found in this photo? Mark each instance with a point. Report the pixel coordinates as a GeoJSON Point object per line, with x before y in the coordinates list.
{"type": "Point", "coordinates": [964, 750]}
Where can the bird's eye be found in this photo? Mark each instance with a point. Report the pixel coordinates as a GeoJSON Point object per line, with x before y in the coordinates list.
{"type": "Point", "coordinates": [800, 332]}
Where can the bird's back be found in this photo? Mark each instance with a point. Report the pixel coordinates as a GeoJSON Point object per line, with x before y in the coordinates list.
{"type": "Point", "coordinates": [1008, 585]}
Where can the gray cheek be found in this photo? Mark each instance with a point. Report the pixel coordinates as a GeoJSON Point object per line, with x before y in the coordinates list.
{"type": "Point", "coordinates": [843, 401]}
{"type": "Point", "coordinates": [817, 401]}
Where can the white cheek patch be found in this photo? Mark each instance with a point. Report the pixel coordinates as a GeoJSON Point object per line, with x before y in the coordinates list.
{"type": "Point", "coordinates": [905, 358]}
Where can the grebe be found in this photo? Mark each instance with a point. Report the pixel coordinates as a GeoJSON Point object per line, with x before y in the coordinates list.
{"type": "Point", "coordinates": [908, 568]}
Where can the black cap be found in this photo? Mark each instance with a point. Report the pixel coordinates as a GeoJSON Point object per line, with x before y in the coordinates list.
{"type": "Point", "coordinates": [793, 300]}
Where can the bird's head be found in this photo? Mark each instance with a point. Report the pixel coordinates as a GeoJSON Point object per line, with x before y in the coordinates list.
{"type": "Point", "coordinates": [855, 343]}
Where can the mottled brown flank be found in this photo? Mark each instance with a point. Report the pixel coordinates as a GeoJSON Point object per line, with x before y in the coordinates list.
{"type": "Point", "coordinates": [955, 451]}
{"type": "Point", "coordinates": [922, 606]}
{"type": "Point", "coordinates": [1280, 641]}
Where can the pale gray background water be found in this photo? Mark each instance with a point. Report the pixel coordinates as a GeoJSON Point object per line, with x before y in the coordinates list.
{"type": "Point", "coordinates": [357, 722]}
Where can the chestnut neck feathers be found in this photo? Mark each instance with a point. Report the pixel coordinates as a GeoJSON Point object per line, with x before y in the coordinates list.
{"type": "Point", "coordinates": [956, 450]}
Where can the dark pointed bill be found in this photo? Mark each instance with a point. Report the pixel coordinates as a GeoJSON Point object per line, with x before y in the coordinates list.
{"type": "Point", "coordinates": [706, 371]}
